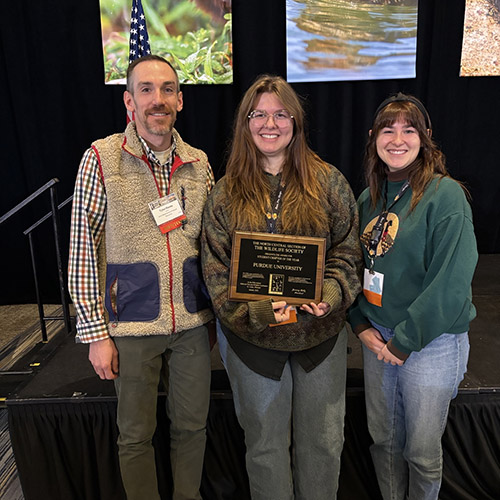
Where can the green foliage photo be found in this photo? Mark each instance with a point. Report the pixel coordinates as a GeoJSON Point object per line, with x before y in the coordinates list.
{"type": "Point", "coordinates": [197, 43]}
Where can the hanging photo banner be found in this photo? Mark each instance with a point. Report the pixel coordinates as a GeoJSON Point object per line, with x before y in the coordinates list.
{"type": "Point", "coordinates": [481, 40]}
{"type": "Point", "coordinates": [332, 40]}
{"type": "Point", "coordinates": [194, 35]}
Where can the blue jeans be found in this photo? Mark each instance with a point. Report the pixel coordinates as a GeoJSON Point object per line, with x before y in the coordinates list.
{"type": "Point", "coordinates": [407, 408]}
{"type": "Point", "coordinates": [182, 360]}
{"type": "Point", "coordinates": [304, 411]}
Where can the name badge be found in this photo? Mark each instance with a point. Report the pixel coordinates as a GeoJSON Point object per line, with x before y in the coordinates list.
{"type": "Point", "coordinates": [167, 213]}
{"type": "Point", "coordinates": [373, 285]}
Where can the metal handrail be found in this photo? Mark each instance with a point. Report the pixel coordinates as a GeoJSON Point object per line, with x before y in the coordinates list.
{"type": "Point", "coordinates": [54, 213]}
{"type": "Point", "coordinates": [46, 216]}
{"type": "Point", "coordinates": [29, 199]}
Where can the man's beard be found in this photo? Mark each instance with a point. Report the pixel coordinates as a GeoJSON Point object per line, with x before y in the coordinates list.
{"type": "Point", "coordinates": [162, 129]}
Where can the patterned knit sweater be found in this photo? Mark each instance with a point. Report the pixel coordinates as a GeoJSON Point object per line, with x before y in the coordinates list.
{"type": "Point", "coordinates": [251, 320]}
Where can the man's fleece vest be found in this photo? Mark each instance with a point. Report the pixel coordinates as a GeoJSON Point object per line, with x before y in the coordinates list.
{"type": "Point", "coordinates": [153, 283]}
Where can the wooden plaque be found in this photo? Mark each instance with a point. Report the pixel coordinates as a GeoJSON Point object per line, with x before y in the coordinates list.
{"type": "Point", "coordinates": [277, 266]}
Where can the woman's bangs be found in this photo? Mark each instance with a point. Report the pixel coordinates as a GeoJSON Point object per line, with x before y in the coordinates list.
{"type": "Point", "coordinates": [401, 112]}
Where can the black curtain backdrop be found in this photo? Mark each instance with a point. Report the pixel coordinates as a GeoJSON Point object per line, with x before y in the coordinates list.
{"type": "Point", "coordinates": [54, 104]}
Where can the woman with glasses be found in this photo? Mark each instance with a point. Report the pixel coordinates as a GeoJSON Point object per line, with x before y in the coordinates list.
{"type": "Point", "coordinates": [414, 313]}
{"type": "Point", "coordinates": [286, 366]}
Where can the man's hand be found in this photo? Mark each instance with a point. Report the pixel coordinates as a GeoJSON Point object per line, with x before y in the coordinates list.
{"type": "Point", "coordinates": [104, 358]}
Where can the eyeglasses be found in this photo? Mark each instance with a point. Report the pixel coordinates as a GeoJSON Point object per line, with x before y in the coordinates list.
{"type": "Point", "coordinates": [281, 117]}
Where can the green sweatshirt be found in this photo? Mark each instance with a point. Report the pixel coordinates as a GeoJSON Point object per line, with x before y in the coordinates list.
{"type": "Point", "coordinates": [430, 258]}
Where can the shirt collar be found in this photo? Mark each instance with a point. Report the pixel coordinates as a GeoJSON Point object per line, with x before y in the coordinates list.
{"type": "Point", "coordinates": [401, 175]}
{"type": "Point", "coordinates": [151, 154]}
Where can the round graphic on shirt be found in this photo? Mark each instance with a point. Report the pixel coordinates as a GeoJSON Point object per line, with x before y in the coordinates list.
{"type": "Point", "coordinates": [389, 232]}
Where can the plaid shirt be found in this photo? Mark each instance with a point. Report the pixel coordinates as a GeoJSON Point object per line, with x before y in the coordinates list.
{"type": "Point", "coordinates": [87, 225]}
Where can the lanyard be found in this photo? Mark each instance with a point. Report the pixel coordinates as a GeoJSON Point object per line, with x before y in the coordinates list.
{"type": "Point", "coordinates": [378, 227]}
{"type": "Point", "coordinates": [273, 213]}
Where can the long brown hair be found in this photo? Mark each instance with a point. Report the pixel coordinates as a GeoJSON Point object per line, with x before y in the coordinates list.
{"type": "Point", "coordinates": [430, 161]}
{"type": "Point", "coordinates": [304, 173]}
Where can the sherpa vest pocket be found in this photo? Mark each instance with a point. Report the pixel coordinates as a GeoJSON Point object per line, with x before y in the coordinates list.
{"type": "Point", "coordinates": [132, 292]}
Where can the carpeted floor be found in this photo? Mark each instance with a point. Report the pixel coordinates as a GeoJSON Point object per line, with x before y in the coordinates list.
{"type": "Point", "coordinates": [20, 330]}
{"type": "Point", "coordinates": [20, 318]}
{"type": "Point", "coordinates": [10, 487]}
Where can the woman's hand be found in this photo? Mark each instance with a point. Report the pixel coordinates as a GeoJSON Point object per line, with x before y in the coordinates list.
{"type": "Point", "coordinates": [387, 357]}
{"type": "Point", "coordinates": [372, 339]}
{"type": "Point", "coordinates": [316, 310]}
{"type": "Point", "coordinates": [281, 311]}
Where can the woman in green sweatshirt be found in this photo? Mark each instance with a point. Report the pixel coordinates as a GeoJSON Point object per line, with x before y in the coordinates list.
{"type": "Point", "coordinates": [413, 315]}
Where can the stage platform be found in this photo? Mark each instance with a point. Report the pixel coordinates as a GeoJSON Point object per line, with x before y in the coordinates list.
{"type": "Point", "coordinates": [63, 432]}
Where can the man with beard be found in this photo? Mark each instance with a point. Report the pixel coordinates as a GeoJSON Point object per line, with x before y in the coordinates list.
{"type": "Point", "coordinates": [135, 281]}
